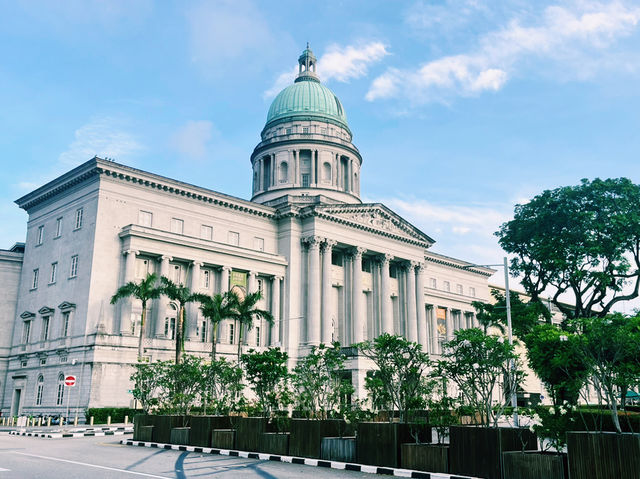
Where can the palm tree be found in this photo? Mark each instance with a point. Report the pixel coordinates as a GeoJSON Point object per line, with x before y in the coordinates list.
{"type": "Point", "coordinates": [246, 312]}
{"type": "Point", "coordinates": [181, 295]}
{"type": "Point", "coordinates": [216, 309]}
{"type": "Point", "coordinates": [145, 290]}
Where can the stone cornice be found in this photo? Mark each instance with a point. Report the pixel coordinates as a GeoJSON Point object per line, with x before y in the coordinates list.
{"type": "Point", "coordinates": [459, 264]}
{"type": "Point", "coordinates": [98, 167]}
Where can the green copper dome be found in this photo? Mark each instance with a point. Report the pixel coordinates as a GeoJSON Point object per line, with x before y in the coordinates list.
{"type": "Point", "coordinates": [307, 98]}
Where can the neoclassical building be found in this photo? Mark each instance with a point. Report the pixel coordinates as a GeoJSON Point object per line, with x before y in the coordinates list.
{"type": "Point", "coordinates": [329, 266]}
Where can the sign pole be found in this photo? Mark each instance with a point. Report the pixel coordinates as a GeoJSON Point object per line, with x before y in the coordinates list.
{"type": "Point", "coordinates": [68, 397]}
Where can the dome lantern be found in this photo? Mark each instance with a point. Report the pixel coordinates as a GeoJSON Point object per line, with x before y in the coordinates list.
{"type": "Point", "coordinates": [307, 66]}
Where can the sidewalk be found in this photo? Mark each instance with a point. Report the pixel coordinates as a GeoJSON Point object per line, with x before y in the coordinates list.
{"type": "Point", "coordinates": [115, 429]}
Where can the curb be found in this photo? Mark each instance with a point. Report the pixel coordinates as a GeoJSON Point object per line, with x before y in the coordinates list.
{"type": "Point", "coordinates": [388, 471]}
{"type": "Point", "coordinates": [58, 435]}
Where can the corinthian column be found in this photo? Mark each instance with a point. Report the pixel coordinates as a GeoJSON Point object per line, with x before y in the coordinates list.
{"type": "Point", "coordinates": [313, 293]}
{"type": "Point", "coordinates": [327, 292]}
{"type": "Point", "coordinates": [412, 320]}
{"type": "Point", "coordinates": [275, 310]}
{"type": "Point", "coordinates": [126, 303]}
{"type": "Point", "coordinates": [385, 293]}
{"type": "Point", "coordinates": [192, 308]}
{"type": "Point", "coordinates": [358, 304]}
{"type": "Point", "coordinates": [423, 330]}
{"type": "Point", "coordinates": [224, 279]}
{"type": "Point", "coordinates": [162, 300]}
{"type": "Point", "coordinates": [449, 323]}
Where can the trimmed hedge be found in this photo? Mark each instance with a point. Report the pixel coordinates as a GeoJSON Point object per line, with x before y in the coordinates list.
{"type": "Point", "coordinates": [117, 414]}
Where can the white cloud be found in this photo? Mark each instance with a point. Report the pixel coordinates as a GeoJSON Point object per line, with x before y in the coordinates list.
{"type": "Point", "coordinates": [338, 63]}
{"type": "Point", "coordinates": [192, 138]}
{"type": "Point", "coordinates": [570, 34]}
{"type": "Point", "coordinates": [102, 137]}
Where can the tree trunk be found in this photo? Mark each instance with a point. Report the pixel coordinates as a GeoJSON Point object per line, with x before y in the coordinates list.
{"type": "Point", "coordinates": [143, 316]}
{"type": "Point", "coordinates": [214, 340]}
{"type": "Point", "coordinates": [239, 340]}
{"type": "Point", "coordinates": [179, 334]}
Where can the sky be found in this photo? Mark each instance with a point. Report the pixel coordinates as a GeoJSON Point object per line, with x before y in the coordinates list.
{"type": "Point", "coordinates": [461, 108]}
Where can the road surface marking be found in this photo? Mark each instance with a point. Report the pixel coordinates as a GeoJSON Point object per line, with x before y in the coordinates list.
{"type": "Point", "coordinates": [5, 470]}
{"type": "Point", "coordinates": [92, 465]}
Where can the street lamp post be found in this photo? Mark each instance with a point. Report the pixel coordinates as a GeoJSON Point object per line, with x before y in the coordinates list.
{"type": "Point", "coordinates": [514, 396]}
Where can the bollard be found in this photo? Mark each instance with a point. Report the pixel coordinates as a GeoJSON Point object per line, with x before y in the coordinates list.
{"type": "Point", "coordinates": [126, 420]}
{"type": "Point", "coordinates": [75, 421]}
{"type": "Point", "coordinates": [91, 421]}
{"type": "Point", "coordinates": [40, 421]}
{"type": "Point", "coordinates": [108, 420]}
{"type": "Point", "coordinates": [49, 421]}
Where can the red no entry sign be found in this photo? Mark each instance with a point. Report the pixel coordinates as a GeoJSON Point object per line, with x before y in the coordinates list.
{"type": "Point", "coordinates": [70, 381]}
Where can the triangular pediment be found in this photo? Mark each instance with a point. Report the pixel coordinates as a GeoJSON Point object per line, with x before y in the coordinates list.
{"type": "Point", "coordinates": [66, 305]}
{"type": "Point", "coordinates": [46, 310]}
{"type": "Point", "coordinates": [377, 218]}
{"type": "Point", "coordinates": [27, 315]}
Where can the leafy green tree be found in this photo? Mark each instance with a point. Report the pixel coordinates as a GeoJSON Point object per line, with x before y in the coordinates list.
{"type": "Point", "coordinates": [181, 295]}
{"type": "Point", "coordinates": [146, 378]}
{"type": "Point", "coordinates": [581, 240]}
{"type": "Point", "coordinates": [318, 381]}
{"type": "Point", "coordinates": [524, 316]}
{"type": "Point", "coordinates": [216, 309]}
{"type": "Point", "coordinates": [400, 374]}
{"type": "Point", "coordinates": [144, 290]}
{"type": "Point", "coordinates": [222, 384]}
{"type": "Point", "coordinates": [611, 346]}
{"type": "Point", "coordinates": [479, 364]}
{"type": "Point", "coordinates": [180, 384]}
{"type": "Point", "coordinates": [268, 376]}
{"type": "Point", "coordinates": [245, 312]}
{"type": "Point", "coordinates": [441, 408]}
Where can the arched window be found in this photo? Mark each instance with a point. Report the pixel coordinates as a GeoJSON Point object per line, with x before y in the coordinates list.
{"type": "Point", "coordinates": [326, 172]}
{"type": "Point", "coordinates": [60, 391]}
{"type": "Point", "coordinates": [170, 321]}
{"type": "Point", "coordinates": [39, 387]}
{"type": "Point", "coordinates": [284, 172]}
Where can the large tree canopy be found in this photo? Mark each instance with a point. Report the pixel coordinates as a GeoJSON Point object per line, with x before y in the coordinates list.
{"type": "Point", "coordinates": [583, 240]}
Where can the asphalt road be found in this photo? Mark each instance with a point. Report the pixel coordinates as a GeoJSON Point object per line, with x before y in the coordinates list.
{"type": "Point", "coordinates": [105, 458]}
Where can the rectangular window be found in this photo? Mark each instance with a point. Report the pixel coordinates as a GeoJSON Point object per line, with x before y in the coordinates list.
{"type": "Point", "coordinates": [323, 131]}
{"type": "Point", "coordinates": [336, 258]}
{"type": "Point", "coordinates": [142, 268]}
{"type": "Point", "coordinates": [79, 215]}
{"type": "Point", "coordinates": [34, 280]}
{"type": "Point", "coordinates": [65, 323]}
{"type": "Point", "coordinates": [145, 218]}
{"type": "Point", "coordinates": [39, 390]}
{"type": "Point", "coordinates": [23, 363]}
{"type": "Point", "coordinates": [366, 265]}
{"type": "Point", "coordinates": [63, 358]}
{"type": "Point", "coordinates": [258, 244]}
{"type": "Point", "coordinates": [54, 273]}
{"type": "Point", "coordinates": [177, 225]}
{"type": "Point", "coordinates": [58, 227]}
{"type": "Point", "coordinates": [289, 131]}
{"type": "Point", "coordinates": [40, 237]}
{"type": "Point", "coordinates": [433, 283]}
{"type": "Point", "coordinates": [459, 289]}
{"type": "Point", "coordinates": [45, 328]}
{"type": "Point", "coordinates": [393, 271]}
{"type": "Point", "coordinates": [446, 286]}
{"type": "Point", "coordinates": [305, 130]}
{"type": "Point", "coordinates": [206, 279]}
{"type": "Point", "coordinates": [472, 292]}
{"type": "Point", "coordinates": [261, 286]}
{"type": "Point", "coordinates": [206, 232]}
{"type": "Point", "coordinates": [176, 274]}
{"type": "Point", "coordinates": [170, 328]}
{"type": "Point", "coordinates": [257, 335]}
{"type": "Point", "coordinates": [234, 238]}
{"type": "Point", "coordinates": [232, 333]}
{"type": "Point", "coordinates": [305, 180]}
{"type": "Point", "coordinates": [43, 361]}
{"type": "Point", "coordinates": [60, 392]}
{"type": "Point", "coordinates": [203, 331]}
{"type": "Point", "coordinates": [26, 331]}
{"type": "Point", "coordinates": [73, 271]}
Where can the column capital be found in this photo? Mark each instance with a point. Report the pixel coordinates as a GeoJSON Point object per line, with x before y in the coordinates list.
{"type": "Point", "coordinates": [226, 268]}
{"type": "Point", "coordinates": [422, 266]}
{"type": "Point", "coordinates": [165, 257]}
{"type": "Point", "coordinates": [328, 244]}
{"type": "Point", "coordinates": [277, 278]}
{"type": "Point", "coordinates": [385, 259]}
{"type": "Point", "coordinates": [131, 251]}
{"type": "Point", "coordinates": [358, 251]}
{"type": "Point", "coordinates": [414, 264]}
{"type": "Point", "coordinates": [311, 241]}
{"type": "Point", "coordinates": [253, 273]}
{"type": "Point", "coordinates": [195, 263]}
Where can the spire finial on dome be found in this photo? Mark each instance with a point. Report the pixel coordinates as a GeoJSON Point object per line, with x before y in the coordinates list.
{"type": "Point", "coordinates": [307, 66]}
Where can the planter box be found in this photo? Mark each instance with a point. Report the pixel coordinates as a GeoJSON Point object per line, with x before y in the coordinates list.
{"type": "Point", "coordinates": [425, 457]}
{"type": "Point", "coordinates": [145, 433]}
{"type": "Point", "coordinates": [378, 443]}
{"type": "Point", "coordinates": [534, 464]}
{"type": "Point", "coordinates": [163, 426]}
{"type": "Point", "coordinates": [477, 451]}
{"type": "Point", "coordinates": [307, 434]}
{"type": "Point", "coordinates": [203, 426]}
{"type": "Point", "coordinates": [341, 449]}
{"type": "Point", "coordinates": [223, 438]}
{"type": "Point", "coordinates": [275, 443]}
{"type": "Point", "coordinates": [180, 435]}
{"type": "Point", "coordinates": [139, 421]}
{"type": "Point", "coordinates": [248, 432]}
{"type": "Point", "coordinates": [600, 455]}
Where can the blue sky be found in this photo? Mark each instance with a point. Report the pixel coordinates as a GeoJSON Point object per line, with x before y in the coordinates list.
{"type": "Point", "coordinates": [460, 108]}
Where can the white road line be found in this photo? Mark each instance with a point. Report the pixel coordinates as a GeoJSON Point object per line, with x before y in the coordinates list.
{"type": "Point", "coordinates": [92, 465]}
{"type": "Point", "coordinates": [5, 470]}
